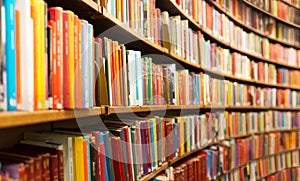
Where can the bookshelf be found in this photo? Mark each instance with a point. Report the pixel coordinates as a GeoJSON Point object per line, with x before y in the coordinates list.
{"type": "Point", "coordinates": [242, 24]}
{"type": "Point", "coordinates": [101, 19]}
{"type": "Point", "coordinates": [271, 15]}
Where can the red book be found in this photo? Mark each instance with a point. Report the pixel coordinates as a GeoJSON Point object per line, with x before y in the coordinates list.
{"type": "Point", "coordinates": [66, 63]}
{"type": "Point", "coordinates": [191, 169]}
{"type": "Point", "coordinates": [169, 141]}
{"type": "Point", "coordinates": [209, 15]}
{"type": "Point", "coordinates": [116, 157]}
{"type": "Point", "coordinates": [128, 151]}
{"type": "Point", "coordinates": [102, 171]}
{"type": "Point", "coordinates": [77, 64]}
{"type": "Point", "coordinates": [55, 14]}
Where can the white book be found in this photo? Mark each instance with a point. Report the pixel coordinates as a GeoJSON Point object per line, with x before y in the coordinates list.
{"type": "Point", "coordinates": [140, 78]}
{"type": "Point", "coordinates": [131, 74]}
{"type": "Point", "coordinates": [26, 55]}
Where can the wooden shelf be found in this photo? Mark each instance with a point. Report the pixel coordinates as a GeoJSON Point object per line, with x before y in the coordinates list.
{"type": "Point", "coordinates": [14, 119]}
{"type": "Point", "coordinates": [174, 9]}
{"type": "Point", "coordinates": [270, 174]}
{"type": "Point", "coordinates": [271, 15]}
{"type": "Point", "coordinates": [156, 172]}
{"type": "Point", "coordinates": [244, 164]}
{"type": "Point", "coordinates": [242, 24]}
{"type": "Point", "coordinates": [290, 4]}
{"type": "Point", "coordinates": [185, 155]}
{"type": "Point", "coordinates": [127, 35]}
{"type": "Point", "coordinates": [20, 118]}
{"type": "Point", "coordinates": [135, 109]}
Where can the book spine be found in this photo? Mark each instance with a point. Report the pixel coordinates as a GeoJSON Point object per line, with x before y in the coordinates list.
{"type": "Point", "coordinates": [10, 54]}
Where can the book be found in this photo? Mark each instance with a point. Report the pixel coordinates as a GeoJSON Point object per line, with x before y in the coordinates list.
{"type": "Point", "coordinates": [10, 54]}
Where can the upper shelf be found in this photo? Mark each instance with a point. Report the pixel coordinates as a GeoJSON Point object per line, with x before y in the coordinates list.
{"type": "Point", "coordinates": [271, 15]}
{"type": "Point", "coordinates": [242, 24]}
{"type": "Point", "coordinates": [20, 118]}
{"type": "Point", "coordinates": [174, 9]}
{"type": "Point", "coordinates": [292, 5]}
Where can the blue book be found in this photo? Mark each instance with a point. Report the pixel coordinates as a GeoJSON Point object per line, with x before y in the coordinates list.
{"type": "Point", "coordinates": [83, 27]}
{"type": "Point", "coordinates": [90, 65]}
{"type": "Point", "coordinates": [10, 53]}
{"type": "Point", "coordinates": [152, 145]}
{"type": "Point", "coordinates": [175, 128]}
{"type": "Point", "coordinates": [105, 164]}
{"type": "Point", "coordinates": [108, 155]}
{"type": "Point", "coordinates": [197, 77]}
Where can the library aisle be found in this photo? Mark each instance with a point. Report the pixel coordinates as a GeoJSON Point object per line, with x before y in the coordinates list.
{"type": "Point", "coordinates": [160, 90]}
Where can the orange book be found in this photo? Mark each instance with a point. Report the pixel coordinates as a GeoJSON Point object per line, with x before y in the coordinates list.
{"type": "Point", "coordinates": [54, 63]}
{"type": "Point", "coordinates": [55, 14]}
{"type": "Point", "coordinates": [85, 160]}
{"type": "Point", "coordinates": [76, 63]}
{"type": "Point", "coordinates": [18, 60]}
{"type": "Point", "coordinates": [209, 15]}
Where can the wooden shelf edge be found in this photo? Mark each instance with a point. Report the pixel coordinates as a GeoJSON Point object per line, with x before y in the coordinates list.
{"type": "Point", "coordinates": [270, 174]}
{"type": "Point", "coordinates": [130, 31]}
{"type": "Point", "coordinates": [20, 118]}
{"type": "Point", "coordinates": [290, 4]}
{"type": "Point", "coordinates": [271, 15]}
{"type": "Point", "coordinates": [15, 119]}
{"type": "Point", "coordinates": [155, 173]}
{"type": "Point", "coordinates": [266, 156]}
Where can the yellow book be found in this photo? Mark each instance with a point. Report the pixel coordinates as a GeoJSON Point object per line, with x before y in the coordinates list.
{"type": "Point", "coordinates": [181, 148]}
{"type": "Point", "coordinates": [117, 81]}
{"type": "Point", "coordinates": [38, 17]}
{"type": "Point", "coordinates": [71, 57]}
{"type": "Point", "coordinates": [78, 158]}
{"type": "Point", "coordinates": [188, 141]}
{"type": "Point", "coordinates": [230, 125]}
{"type": "Point", "coordinates": [119, 10]}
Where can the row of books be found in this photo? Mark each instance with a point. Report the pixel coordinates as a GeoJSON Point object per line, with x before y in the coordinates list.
{"type": "Point", "coordinates": [285, 166]}
{"type": "Point", "coordinates": [48, 58]}
{"type": "Point", "coordinates": [261, 21]}
{"type": "Point", "coordinates": [286, 175]}
{"type": "Point", "coordinates": [226, 93]}
{"type": "Point", "coordinates": [210, 164]}
{"type": "Point", "coordinates": [129, 148]}
{"type": "Point", "coordinates": [231, 124]}
{"type": "Point", "coordinates": [142, 16]}
{"type": "Point", "coordinates": [185, 42]}
{"type": "Point", "coordinates": [293, 2]}
{"type": "Point", "coordinates": [279, 9]}
{"type": "Point", "coordinates": [222, 60]}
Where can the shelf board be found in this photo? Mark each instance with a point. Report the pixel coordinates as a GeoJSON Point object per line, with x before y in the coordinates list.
{"type": "Point", "coordinates": [270, 174]}
{"type": "Point", "coordinates": [135, 109]}
{"type": "Point", "coordinates": [14, 119]}
{"type": "Point", "coordinates": [155, 173]}
{"type": "Point", "coordinates": [20, 118]}
{"type": "Point", "coordinates": [242, 24]}
{"type": "Point", "coordinates": [290, 4]}
{"type": "Point", "coordinates": [172, 7]}
{"type": "Point", "coordinates": [271, 15]}
{"type": "Point", "coordinates": [83, 8]}
{"type": "Point", "coordinates": [244, 164]}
